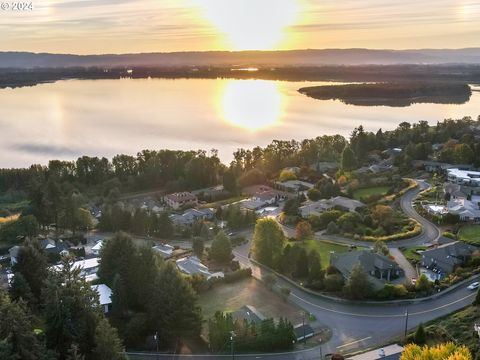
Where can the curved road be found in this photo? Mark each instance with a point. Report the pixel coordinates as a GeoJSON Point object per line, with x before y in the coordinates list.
{"type": "Point", "coordinates": [356, 326]}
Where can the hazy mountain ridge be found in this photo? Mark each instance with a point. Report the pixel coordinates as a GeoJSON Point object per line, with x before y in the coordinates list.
{"type": "Point", "coordinates": [259, 58]}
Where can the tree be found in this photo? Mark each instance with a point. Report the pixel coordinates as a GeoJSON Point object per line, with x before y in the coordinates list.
{"type": "Point", "coordinates": [423, 284]}
{"type": "Point", "coordinates": [358, 285]}
{"type": "Point", "coordinates": [314, 194]}
{"type": "Point", "coordinates": [107, 343]}
{"type": "Point", "coordinates": [32, 265]}
{"type": "Point", "coordinates": [221, 249]}
{"type": "Point", "coordinates": [303, 230]}
{"type": "Point", "coordinates": [332, 228]}
{"type": "Point", "coordinates": [119, 297]}
{"type": "Point", "coordinates": [301, 267]}
{"type": "Point", "coordinates": [268, 242]}
{"type": "Point", "coordinates": [230, 182]}
{"type": "Point", "coordinates": [172, 309]}
{"type": "Point", "coordinates": [19, 289]}
{"type": "Point", "coordinates": [437, 352]}
{"type": "Point", "coordinates": [349, 161]}
{"type": "Point", "coordinates": [420, 336]}
{"type": "Point", "coordinates": [383, 215]}
{"type": "Point", "coordinates": [198, 246]}
{"type": "Point", "coordinates": [315, 275]}
{"type": "Point", "coordinates": [477, 298]}
{"type": "Point", "coordinates": [17, 338]}
{"type": "Point", "coordinates": [287, 175]}
{"type": "Point", "coordinates": [381, 248]}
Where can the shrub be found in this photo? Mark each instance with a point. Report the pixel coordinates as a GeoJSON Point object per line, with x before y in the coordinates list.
{"type": "Point", "coordinates": [333, 282]}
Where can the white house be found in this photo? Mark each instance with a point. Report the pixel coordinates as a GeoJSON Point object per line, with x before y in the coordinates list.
{"type": "Point", "coordinates": [88, 268]}
{"type": "Point", "coordinates": [97, 247]}
{"type": "Point", "coordinates": [104, 296]}
{"type": "Point", "coordinates": [464, 177]}
{"type": "Point", "coordinates": [465, 209]}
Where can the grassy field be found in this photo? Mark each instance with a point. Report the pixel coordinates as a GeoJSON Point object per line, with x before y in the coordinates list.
{"type": "Point", "coordinates": [411, 253]}
{"type": "Point", "coordinates": [366, 192]}
{"type": "Point", "coordinates": [324, 248]}
{"type": "Point", "coordinates": [470, 234]}
{"type": "Point", "coordinates": [457, 327]}
{"type": "Point", "coordinates": [231, 297]}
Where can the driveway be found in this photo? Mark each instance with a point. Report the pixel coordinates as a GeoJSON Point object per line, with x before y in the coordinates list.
{"type": "Point", "coordinates": [410, 272]}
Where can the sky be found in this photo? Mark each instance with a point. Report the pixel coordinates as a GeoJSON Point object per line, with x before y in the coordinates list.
{"type": "Point", "coordinates": [121, 26]}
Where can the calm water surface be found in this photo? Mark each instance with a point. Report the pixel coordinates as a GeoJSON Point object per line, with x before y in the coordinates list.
{"type": "Point", "coordinates": [66, 119]}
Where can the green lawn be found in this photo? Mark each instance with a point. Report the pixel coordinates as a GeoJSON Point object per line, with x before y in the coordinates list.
{"type": "Point", "coordinates": [411, 253]}
{"type": "Point", "coordinates": [366, 192]}
{"type": "Point", "coordinates": [324, 248]}
{"type": "Point", "coordinates": [470, 234]}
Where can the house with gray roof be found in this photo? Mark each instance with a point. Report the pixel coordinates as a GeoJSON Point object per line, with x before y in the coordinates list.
{"type": "Point", "coordinates": [164, 250]}
{"type": "Point", "coordinates": [191, 216]}
{"type": "Point", "coordinates": [192, 265]}
{"type": "Point", "coordinates": [445, 258]}
{"type": "Point", "coordinates": [248, 313]}
{"type": "Point", "coordinates": [376, 265]}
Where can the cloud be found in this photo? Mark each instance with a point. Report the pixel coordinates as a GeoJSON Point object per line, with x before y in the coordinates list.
{"type": "Point", "coordinates": [45, 149]}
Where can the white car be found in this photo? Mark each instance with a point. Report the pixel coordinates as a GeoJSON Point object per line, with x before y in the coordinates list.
{"type": "Point", "coordinates": [473, 286]}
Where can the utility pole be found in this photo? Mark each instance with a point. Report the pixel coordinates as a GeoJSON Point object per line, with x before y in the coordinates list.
{"type": "Point", "coordinates": [321, 354]}
{"type": "Point", "coordinates": [232, 337]}
{"type": "Point", "coordinates": [406, 322]}
{"type": "Point", "coordinates": [303, 326]}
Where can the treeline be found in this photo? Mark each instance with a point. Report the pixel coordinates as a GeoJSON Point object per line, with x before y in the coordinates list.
{"type": "Point", "coordinates": [266, 336]}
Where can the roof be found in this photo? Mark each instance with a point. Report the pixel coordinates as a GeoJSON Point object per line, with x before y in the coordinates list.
{"type": "Point", "coordinates": [192, 265]}
{"type": "Point", "coordinates": [303, 329]}
{"type": "Point", "coordinates": [104, 293]}
{"type": "Point", "coordinates": [181, 196]}
{"type": "Point", "coordinates": [249, 313]}
{"type": "Point", "coordinates": [165, 250]}
{"type": "Point", "coordinates": [347, 203]}
{"type": "Point", "coordinates": [98, 245]}
{"type": "Point", "coordinates": [344, 262]}
{"type": "Point", "coordinates": [450, 254]}
{"type": "Point", "coordinates": [390, 352]}
{"type": "Point", "coordinates": [296, 184]}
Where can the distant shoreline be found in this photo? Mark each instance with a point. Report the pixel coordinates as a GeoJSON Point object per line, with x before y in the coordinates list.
{"type": "Point", "coordinates": [392, 94]}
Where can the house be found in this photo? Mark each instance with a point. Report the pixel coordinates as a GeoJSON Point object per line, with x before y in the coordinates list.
{"type": "Point", "coordinates": [269, 197]}
{"type": "Point", "coordinates": [465, 209]}
{"type": "Point", "coordinates": [303, 331]}
{"type": "Point", "coordinates": [88, 268]}
{"type": "Point", "coordinates": [393, 152]}
{"type": "Point", "coordinates": [104, 296]}
{"type": "Point", "coordinates": [390, 352]}
{"type": "Point", "coordinates": [249, 313]}
{"type": "Point", "coordinates": [325, 166]}
{"type": "Point", "coordinates": [180, 200]}
{"type": "Point", "coordinates": [455, 191]}
{"type": "Point", "coordinates": [445, 258]}
{"type": "Point", "coordinates": [191, 216]}
{"type": "Point", "coordinates": [338, 202]}
{"type": "Point", "coordinates": [164, 250]}
{"type": "Point", "coordinates": [13, 251]}
{"type": "Point", "coordinates": [294, 186]}
{"type": "Point", "coordinates": [49, 246]}
{"type": "Point", "coordinates": [192, 265]}
{"type": "Point", "coordinates": [97, 247]}
{"type": "Point", "coordinates": [376, 265]}
{"type": "Point", "coordinates": [463, 177]}
{"type": "Point", "coordinates": [380, 168]}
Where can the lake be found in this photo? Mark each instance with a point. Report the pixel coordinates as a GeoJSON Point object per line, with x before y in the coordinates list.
{"type": "Point", "coordinates": [67, 119]}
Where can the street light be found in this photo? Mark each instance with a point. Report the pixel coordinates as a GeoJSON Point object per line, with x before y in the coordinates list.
{"type": "Point", "coordinates": [232, 336]}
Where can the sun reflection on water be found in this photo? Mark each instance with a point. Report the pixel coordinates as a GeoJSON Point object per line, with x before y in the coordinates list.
{"type": "Point", "coordinates": [252, 104]}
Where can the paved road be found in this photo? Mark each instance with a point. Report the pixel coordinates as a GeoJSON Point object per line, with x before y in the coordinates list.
{"type": "Point", "coordinates": [356, 326]}
{"type": "Point", "coordinates": [410, 271]}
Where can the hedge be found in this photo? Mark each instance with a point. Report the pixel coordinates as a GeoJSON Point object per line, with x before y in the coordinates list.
{"type": "Point", "coordinates": [417, 230]}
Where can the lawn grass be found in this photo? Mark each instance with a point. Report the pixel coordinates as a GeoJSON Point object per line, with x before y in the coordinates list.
{"type": "Point", "coordinates": [470, 234]}
{"type": "Point", "coordinates": [411, 253]}
{"type": "Point", "coordinates": [366, 192]}
{"type": "Point", "coordinates": [231, 297]}
{"type": "Point", "coordinates": [323, 248]}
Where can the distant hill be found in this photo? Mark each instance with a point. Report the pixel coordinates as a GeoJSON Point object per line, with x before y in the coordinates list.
{"type": "Point", "coordinates": [242, 58]}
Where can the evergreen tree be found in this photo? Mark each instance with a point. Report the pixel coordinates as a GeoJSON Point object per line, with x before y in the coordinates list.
{"type": "Point", "coordinates": [301, 267]}
{"type": "Point", "coordinates": [358, 286]}
{"type": "Point", "coordinates": [477, 298]}
{"type": "Point", "coordinates": [349, 161]}
{"type": "Point", "coordinates": [268, 242]}
{"type": "Point", "coordinates": [221, 249]}
{"type": "Point", "coordinates": [315, 275]}
{"type": "Point", "coordinates": [119, 297]}
{"type": "Point", "coordinates": [107, 343]}
{"type": "Point", "coordinates": [420, 336]}
{"type": "Point", "coordinates": [19, 289]}
{"type": "Point", "coordinates": [172, 308]}
{"type": "Point", "coordinates": [197, 246]}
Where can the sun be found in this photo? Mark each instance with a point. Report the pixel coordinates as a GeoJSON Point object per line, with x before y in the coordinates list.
{"type": "Point", "coordinates": [251, 104]}
{"type": "Point", "coordinates": [250, 24]}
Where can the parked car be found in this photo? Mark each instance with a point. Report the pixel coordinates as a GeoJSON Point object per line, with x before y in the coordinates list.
{"type": "Point", "coordinates": [473, 286]}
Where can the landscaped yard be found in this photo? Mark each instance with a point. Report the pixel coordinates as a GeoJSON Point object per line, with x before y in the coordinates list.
{"type": "Point", "coordinates": [231, 297]}
{"type": "Point", "coordinates": [470, 234]}
{"type": "Point", "coordinates": [366, 192]}
{"type": "Point", "coordinates": [412, 255]}
{"type": "Point", "coordinates": [324, 248]}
